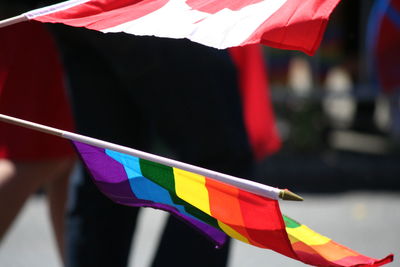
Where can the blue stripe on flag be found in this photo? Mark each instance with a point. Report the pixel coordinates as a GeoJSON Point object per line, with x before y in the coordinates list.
{"type": "Point", "coordinates": [142, 187]}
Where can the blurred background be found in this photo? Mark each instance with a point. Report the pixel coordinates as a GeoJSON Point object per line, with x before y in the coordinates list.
{"type": "Point", "coordinates": [338, 111]}
{"type": "Point", "coordinates": [338, 114]}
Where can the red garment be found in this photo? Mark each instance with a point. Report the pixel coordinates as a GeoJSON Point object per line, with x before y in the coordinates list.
{"type": "Point", "coordinates": [257, 108]}
{"type": "Point", "coordinates": [387, 52]}
{"type": "Point", "coordinates": [32, 88]}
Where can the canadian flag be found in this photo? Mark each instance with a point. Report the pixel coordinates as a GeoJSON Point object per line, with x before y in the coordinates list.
{"type": "Point", "coordinates": [287, 24]}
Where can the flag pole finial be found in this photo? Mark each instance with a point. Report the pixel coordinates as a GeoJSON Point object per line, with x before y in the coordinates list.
{"type": "Point", "coordinates": [288, 195]}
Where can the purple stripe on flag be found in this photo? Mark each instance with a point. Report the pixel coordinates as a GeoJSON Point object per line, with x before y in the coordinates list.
{"type": "Point", "coordinates": [108, 175]}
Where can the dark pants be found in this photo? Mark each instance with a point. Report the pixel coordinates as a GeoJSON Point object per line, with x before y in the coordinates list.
{"type": "Point", "coordinates": [172, 97]}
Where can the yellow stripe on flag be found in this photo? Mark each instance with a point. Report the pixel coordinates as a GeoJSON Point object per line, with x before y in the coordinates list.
{"type": "Point", "coordinates": [306, 235]}
{"type": "Point", "coordinates": [191, 188]}
{"type": "Point", "coordinates": [232, 233]}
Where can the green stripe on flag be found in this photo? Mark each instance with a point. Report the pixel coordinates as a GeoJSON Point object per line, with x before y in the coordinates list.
{"type": "Point", "coordinates": [192, 210]}
{"type": "Point", "coordinates": [290, 223]}
{"type": "Point", "coordinates": [164, 177]}
{"type": "Point", "coordinates": [159, 174]}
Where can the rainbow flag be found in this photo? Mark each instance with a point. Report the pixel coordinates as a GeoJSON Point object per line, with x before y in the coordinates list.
{"type": "Point", "coordinates": [214, 208]}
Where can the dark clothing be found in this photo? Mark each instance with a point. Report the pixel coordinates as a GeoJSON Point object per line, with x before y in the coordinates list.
{"type": "Point", "coordinates": [140, 92]}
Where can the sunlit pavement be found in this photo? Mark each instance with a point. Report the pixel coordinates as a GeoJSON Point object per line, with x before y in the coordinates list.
{"type": "Point", "coordinates": [368, 222]}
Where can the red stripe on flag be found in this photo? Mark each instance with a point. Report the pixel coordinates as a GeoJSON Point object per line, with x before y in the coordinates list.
{"type": "Point", "coordinates": [264, 223]}
{"type": "Point", "coordinates": [297, 25]}
{"type": "Point", "coordinates": [367, 262]}
{"type": "Point", "coordinates": [99, 15]}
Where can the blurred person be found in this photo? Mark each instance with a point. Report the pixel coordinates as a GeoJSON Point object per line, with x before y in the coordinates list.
{"type": "Point", "coordinates": [383, 57]}
{"type": "Point", "coordinates": [350, 24]}
{"type": "Point", "coordinates": [32, 88]}
{"type": "Point", "coordinates": [142, 91]}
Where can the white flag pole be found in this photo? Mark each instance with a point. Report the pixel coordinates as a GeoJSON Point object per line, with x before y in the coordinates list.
{"type": "Point", "coordinates": [250, 186]}
{"type": "Point", "coordinates": [13, 20]}
{"type": "Point", "coordinates": [40, 12]}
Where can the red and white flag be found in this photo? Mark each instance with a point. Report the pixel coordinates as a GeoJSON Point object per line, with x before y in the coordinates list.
{"type": "Point", "coordinates": [287, 24]}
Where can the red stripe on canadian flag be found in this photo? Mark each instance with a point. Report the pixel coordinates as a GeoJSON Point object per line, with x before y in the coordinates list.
{"type": "Point", "coordinates": [297, 25]}
{"type": "Point", "coordinates": [288, 24]}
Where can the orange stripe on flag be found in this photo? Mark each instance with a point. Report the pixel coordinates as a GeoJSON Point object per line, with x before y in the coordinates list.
{"type": "Point", "coordinates": [224, 202]}
{"type": "Point", "coordinates": [330, 251]}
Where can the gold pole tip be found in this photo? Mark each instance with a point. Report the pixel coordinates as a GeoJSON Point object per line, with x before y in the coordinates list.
{"type": "Point", "coordinates": [287, 195]}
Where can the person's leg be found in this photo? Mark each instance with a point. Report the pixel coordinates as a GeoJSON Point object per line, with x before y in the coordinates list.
{"type": "Point", "coordinates": [99, 232]}
{"type": "Point", "coordinates": [181, 245]}
{"type": "Point", "coordinates": [56, 192]}
{"type": "Point", "coordinates": [34, 159]}
{"type": "Point", "coordinates": [19, 180]}
{"type": "Point", "coordinates": [9, 204]}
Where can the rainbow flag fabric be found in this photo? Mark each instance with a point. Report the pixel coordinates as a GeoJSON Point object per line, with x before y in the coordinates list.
{"type": "Point", "coordinates": [315, 249]}
{"type": "Point", "coordinates": [216, 209]}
